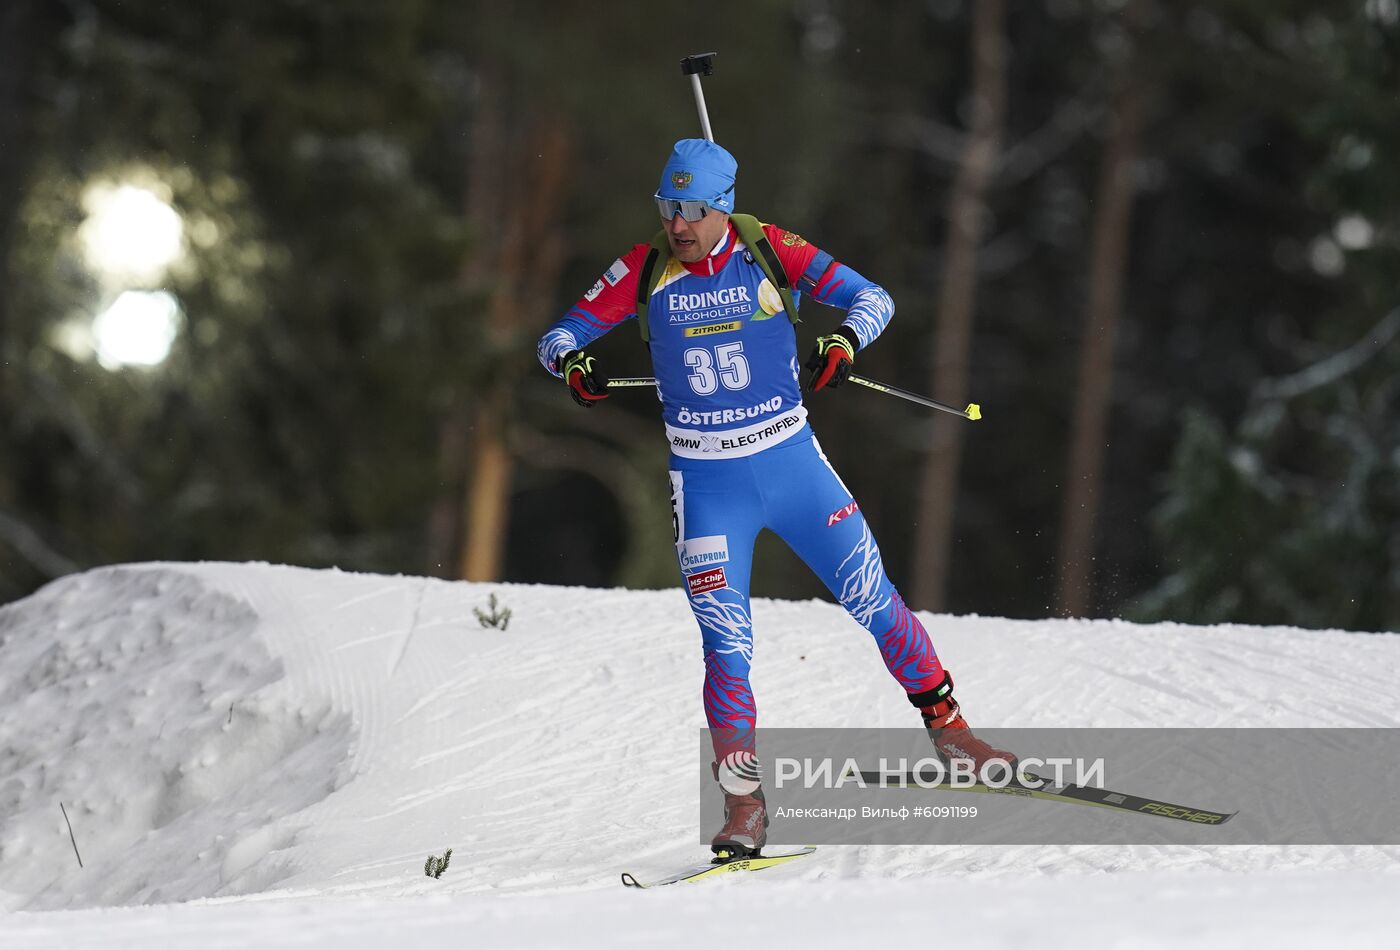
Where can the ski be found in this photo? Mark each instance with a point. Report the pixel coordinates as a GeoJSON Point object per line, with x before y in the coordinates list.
{"type": "Point", "coordinates": [1069, 793]}
{"type": "Point", "coordinates": [697, 872]}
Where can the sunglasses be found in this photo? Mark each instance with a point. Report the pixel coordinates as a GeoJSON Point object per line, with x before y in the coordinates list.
{"type": "Point", "coordinates": [692, 209]}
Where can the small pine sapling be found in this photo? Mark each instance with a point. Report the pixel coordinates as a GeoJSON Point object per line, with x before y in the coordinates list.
{"type": "Point", "coordinates": [434, 866]}
{"type": "Point", "coordinates": [498, 617]}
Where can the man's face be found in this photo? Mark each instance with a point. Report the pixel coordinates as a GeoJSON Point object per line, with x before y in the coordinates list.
{"type": "Point", "coordinates": [691, 241]}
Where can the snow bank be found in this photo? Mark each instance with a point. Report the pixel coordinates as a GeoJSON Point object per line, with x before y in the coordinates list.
{"type": "Point", "coordinates": [148, 706]}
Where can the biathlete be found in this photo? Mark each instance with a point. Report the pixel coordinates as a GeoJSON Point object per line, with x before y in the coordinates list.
{"type": "Point", "coordinates": [717, 296]}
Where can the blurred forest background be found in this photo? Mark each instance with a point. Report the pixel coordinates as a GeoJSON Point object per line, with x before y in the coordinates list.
{"type": "Point", "coordinates": [1157, 242]}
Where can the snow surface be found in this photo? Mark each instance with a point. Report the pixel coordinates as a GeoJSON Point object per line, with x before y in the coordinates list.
{"type": "Point", "coordinates": [263, 756]}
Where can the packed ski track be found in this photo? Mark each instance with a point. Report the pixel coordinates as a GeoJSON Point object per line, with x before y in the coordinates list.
{"type": "Point", "coordinates": [256, 755]}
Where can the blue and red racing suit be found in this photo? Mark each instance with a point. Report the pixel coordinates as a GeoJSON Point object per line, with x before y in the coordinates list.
{"type": "Point", "coordinates": [743, 457]}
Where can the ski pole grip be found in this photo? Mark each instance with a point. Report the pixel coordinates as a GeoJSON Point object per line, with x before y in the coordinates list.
{"type": "Point", "coordinates": [701, 63]}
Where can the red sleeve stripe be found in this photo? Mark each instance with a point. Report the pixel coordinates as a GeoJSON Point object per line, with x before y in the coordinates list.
{"type": "Point", "coordinates": [826, 286]}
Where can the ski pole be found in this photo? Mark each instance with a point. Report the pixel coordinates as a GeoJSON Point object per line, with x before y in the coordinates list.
{"type": "Point", "coordinates": [972, 412]}
{"type": "Point", "coordinates": [701, 64]}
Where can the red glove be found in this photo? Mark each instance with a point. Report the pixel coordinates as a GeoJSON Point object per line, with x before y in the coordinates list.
{"type": "Point", "coordinates": [831, 360]}
{"type": "Point", "coordinates": [586, 384]}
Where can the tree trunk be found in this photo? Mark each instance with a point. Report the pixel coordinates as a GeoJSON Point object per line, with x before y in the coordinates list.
{"type": "Point", "coordinates": [1107, 266]}
{"type": "Point", "coordinates": [516, 192]}
{"type": "Point", "coordinates": [488, 494]}
{"type": "Point", "coordinates": [953, 343]}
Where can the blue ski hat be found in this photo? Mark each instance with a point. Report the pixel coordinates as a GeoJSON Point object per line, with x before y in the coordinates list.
{"type": "Point", "coordinates": [701, 170]}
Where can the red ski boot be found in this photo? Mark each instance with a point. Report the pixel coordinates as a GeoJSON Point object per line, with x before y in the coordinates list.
{"type": "Point", "coordinates": [745, 828]}
{"type": "Point", "coordinates": [951, 735]}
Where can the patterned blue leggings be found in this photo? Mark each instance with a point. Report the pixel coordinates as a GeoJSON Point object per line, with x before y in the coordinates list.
{"type": "Point", "coordinates": [719, 506]}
